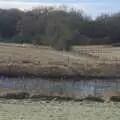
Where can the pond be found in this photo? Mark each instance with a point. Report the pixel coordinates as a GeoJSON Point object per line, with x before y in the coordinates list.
{"type": "Point", "coordinates": [68, 88]}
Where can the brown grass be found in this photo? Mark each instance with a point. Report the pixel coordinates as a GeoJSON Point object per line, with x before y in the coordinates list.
{"type": "Point", "coordinates": [20, 60]}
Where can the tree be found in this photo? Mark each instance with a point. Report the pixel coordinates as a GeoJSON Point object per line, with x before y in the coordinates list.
{"type": "Point", "coordinates": [57, 31]}
{"type": "Point", "coordinates": [8, 22]}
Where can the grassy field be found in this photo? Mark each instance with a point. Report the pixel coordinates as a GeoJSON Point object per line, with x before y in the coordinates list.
{"type": "Point", "coordinates": [54, 110]}
{"type": "Point", "coordinates": [20, 60]}
{"type": "Point", "coordinates": [106, 59]}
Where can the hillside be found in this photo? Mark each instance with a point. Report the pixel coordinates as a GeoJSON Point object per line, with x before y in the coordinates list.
{"type": "Point", "coordinates": [30, 60]}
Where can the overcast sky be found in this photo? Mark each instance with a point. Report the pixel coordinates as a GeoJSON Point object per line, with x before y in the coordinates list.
{"type": "Point", "coordinates": [90, 7]}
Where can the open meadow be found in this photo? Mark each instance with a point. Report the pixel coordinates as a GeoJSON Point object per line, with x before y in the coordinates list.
{"type": "Point", "coordinates": [55, 110]}
{"type": "Point", "coordinates": [20, 60]}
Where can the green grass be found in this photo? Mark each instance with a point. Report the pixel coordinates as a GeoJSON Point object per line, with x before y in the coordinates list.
{"type": "Point", "coordinates": [43, 110]}
{"type": "Point", "coordinates": [20, 60]}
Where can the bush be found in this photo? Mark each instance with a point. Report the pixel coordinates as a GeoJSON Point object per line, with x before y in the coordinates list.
{"type": "Point", "coordinates": [62, 45]}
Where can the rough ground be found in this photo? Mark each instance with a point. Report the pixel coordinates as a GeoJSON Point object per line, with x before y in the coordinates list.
{"type": "Point", "coordinates": [54, 110]}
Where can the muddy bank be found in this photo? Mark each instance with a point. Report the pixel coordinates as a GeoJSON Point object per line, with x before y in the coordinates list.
{"type": "Point", "coordinates": [24, 95]}
{"type": "Point", "coordinates": [64, 77]}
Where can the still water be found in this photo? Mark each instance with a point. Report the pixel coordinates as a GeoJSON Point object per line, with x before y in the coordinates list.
{"type": "Point", "coordinates": [69, 88]}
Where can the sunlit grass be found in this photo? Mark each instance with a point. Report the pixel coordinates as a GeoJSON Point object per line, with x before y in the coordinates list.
{"type": "Point", "coordinates": [20, 60]}
{"type": "Point", "coordinates": [43, 110]}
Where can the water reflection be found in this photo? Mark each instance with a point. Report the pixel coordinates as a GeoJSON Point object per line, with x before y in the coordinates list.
{"type": "Point", "coordinates": [68, 87]}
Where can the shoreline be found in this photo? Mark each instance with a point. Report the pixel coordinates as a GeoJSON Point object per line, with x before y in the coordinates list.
{"type": "Point", "coordinates": [27, 96]}
{"type": "Point", "coordinates": [60, 77]}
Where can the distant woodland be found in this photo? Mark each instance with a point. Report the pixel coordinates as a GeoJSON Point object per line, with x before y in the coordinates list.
{"type": "Point", "coordinates": [59, 28]}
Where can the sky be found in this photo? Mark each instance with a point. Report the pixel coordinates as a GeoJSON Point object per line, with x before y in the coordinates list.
{"type": "Point", "coordinates": [90, 7]}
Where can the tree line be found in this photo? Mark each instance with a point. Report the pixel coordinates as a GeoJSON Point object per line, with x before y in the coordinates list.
{"type": "Point", "coordinates": [58, 28]}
